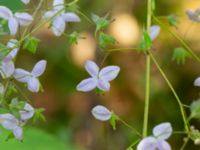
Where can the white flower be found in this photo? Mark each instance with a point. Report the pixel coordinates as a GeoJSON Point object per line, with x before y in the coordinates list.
{"type": "Point", "coordinates": [158, 141]}
{"type": "Point", "coordinates": [15, 20]}
{"type": "Point", "coordinates": [197, 82]}
{"type": "Point", "coordinates": [25, 1]}
{"type": "Point", "coordinates": [154, 32]}
{"type": "Point", "coordinates": [31, 78]}
{"type": "Point", "coordinates": [99, 78]}
{"type": "Point", "coordinates": [58, 22]}
{"type": "Point", "coordinates": [27, 113]}
{"type": "Point", "coordinates": [10, 122]}
{"type": "Point", "coordinates": [194, 15]}
{"type": "Point", "coordinates": [101, 113]}
{"type": "Point", "coordinates": [7, 67]}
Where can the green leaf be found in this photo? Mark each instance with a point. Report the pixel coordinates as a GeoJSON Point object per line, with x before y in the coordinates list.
{"type": "Point", "coordinates": [146, 42]}
{"type": "Point", "coordinates": [195, 109]}
{"type": "Point", "coordinates": [31, 44]}
{"type": "Point", "coordinates": [113, 120]}
{"type": "Point", "coordinates": [180, 55]}
{"type": "Point", "coordinates": [173, 20]}
{"type": "Point", "coordinates": [105, 40]}
{"type": "Point", "coordinates": [4, 50]}
{"type": "Point", "coordinates": [73, 37]}
{"type": "Point", "coordinates": [38, 115]}
{"type": "Point", "coordinates": [101, 23]}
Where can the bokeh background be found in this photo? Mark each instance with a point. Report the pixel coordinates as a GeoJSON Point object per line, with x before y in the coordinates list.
{"type": "Point", "coordinates": [69, 124]}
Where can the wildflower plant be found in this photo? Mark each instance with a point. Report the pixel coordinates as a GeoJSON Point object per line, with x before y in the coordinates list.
{"type": "Point", "coordinates": [17, 111]}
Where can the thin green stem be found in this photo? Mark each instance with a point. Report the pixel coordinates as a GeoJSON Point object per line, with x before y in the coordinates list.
{"type": "Point", "coordinates": [185, 45]}
{"type": "Point", "coordinates": [185, 143]}
{"type": "Point", "coordinates": [173, 91]}
{"type": "Point", "coordinates": [133, 144]}
{"type": "Point", "coordinates": [148, 74]}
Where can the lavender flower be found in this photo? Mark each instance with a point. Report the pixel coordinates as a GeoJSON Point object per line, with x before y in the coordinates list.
{"type": "Point", "coordinates": [99, 78]}
{"type": "Point", "coordinates": [154, 32]}
{"type": "Point", "coordinates": [27, 112]}
{"type": "Point", "coordinates": [15, 20]}
{"type": "Point", "coordinates": [25, 1]}
{"type": "Point", "coordinates": [194, 15]}
{"type": "Point", "coordinates": [101, 113]}
{"type": "Point", "coordinates": [158, 141]}
{"type": "Point", "coordinates": [58, 22]}
{"type": "Point", "coordinates": [197, 82]}
{"type": "Point", "coordinates": [31, 78]}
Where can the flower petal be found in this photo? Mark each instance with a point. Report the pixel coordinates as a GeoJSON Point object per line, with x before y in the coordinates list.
{"type": "Point", "coordinates": [25, 1]}
{"type": "Point", "coordinates": [39, 68]}
{"type": "Point", "coordinates": [18, 133]}
{"type": "Point", "coordinates": [23, 18]}
{"type": "Point", "coordinates": [101, 113]}
{"type": "Point", "coordinates": [48, 14]}
{"type": "Point", "coordinates": [5, 12]}
{"type": "Point", "coordinates": [7, 68]}
{"type": "Point", "coordinates": [154, 32]}
{"type": "Point", "coordinates": [22, 75]}
{"type": "Point", "coordinates": [33, 85]}
{"type": "Point", "coordinates": [71, 17]}
{"type": "Point", "coordinates": [13, 44]}
{"type": "Point", "coordinates": [163, 145]}
{"type": "Point", "coordinates": [162, 131]}
{"type": "Point", "coordinates": [103, 85]}
{"type": "Point", "coordinates": [13, 25]}
{"type": "Point", "coordinates": [109, 73]}
{"type": "Point", "coordinates": [58, 26]}
{"type": "Point", "coordinates": [87, 85]}
{"type": "Point", "coordinates": [197, 82]}
{"type": "Point", "coordinates": [8, 121]}
{"type": "Point", "coordinates": [58, 4]}
{"type": "Point", "coordinates": [92, 68]}
{"type": "Point", "coordinates": [148, 143]}
{"type": "Point", "coordinates": [27, 112]}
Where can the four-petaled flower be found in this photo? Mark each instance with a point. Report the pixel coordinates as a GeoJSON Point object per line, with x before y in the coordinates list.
{"type": "Point", "coordinates": [101, 113]}
{"type": "Point", "coordinates": [99, 78]}
{"type": "Point", "coordinates": [158, 141]}
{"type": "Point", "coordinates": [31, 78]}
{"type": "Point", "coordinates": [15, 20]}
{"type": "Point", "coordinates": [7, 66]}
{"type": "Point", "coordinates": [194, 15]}
{"type": "Point", "coordinates": [58, 20]}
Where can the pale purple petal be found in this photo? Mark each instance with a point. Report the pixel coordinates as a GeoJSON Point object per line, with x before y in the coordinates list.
{"type": "Point", "coordinates": [48, 14]}
{"type": "Point", "coordinates": [154, 32]}
{"type": "Point", "coordinates": [5, 12]}
{"type": "Point", "coordinates": [92, 68]}
{"type": "Point", "coordinates": [109, 73]}
{"type": "Point", "coordinates": [7, 68]}
{"type": "Point", "coordinates": [87, 85]}
{"type": "Point", "coordinates": [13, 25]}
{"type": "Point", "coordinates": [103, 85]}
{"type": "Point", "coordinates": [18, 133]}
{"type": "Point", "coordinates": [39, 68]}
{"type": "Point", "coordinates": [33, 85]}
{"type": "Point", "coordinates": [22, 75]}
{"type": "Point", "coordinates": [24, 19]}
{"type": "Point", "coordinates": [27, 112]}
{"type": "Point", "coordinates": [8, 121]}
{"type": "Point", "coordinates": [25, 1]}
{"type": "Point", "coordinates": [163, 145]}
{"type": "Point", "coordinates": [162, 131]}
{"type": "Point", "coordinates": [148, 143]}
{"type": "Point", "coordinates": [58, 5]}
{"type": "Point", "coordinates": [71, 17]}
{"type": "Point", "coordinates": [197, 82]}
{"type": "Point", "coordinates": [101, 113]}
{"type": "Point", "coordinates": [58, 26]}
{"type": "Point", "coordinates": [13, 44]}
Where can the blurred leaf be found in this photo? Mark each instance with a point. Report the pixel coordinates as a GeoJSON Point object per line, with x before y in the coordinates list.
{"type": "Point", "coordinates": [38, 115]}
{"type": "Point", "coordinates": [146, 42]}
{"type": "Point", "coordinates": [105, 40]}
{"type": "Point", "coordinates": [101, 23]}
{"type": "Point", "coordinates": [4, 50]}
{"type": "Point", "coordinates": [195, 109]}
{"type": "Point", "coordinates": [173, 20]}
{"type": "Point", "coordinates": [73, 37]}
{"type": "Point", "coordinates": [114, 118]}
{"type": "Point", "coordinates": [180, 55]}
{"type": "Point", "coordinates": [31, 44]}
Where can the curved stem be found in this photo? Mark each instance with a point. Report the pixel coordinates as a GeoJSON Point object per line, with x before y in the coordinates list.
{"type": "Point", "coordinates": [148, 74]}
{"type": "Point", "coordinates": [173, 91]}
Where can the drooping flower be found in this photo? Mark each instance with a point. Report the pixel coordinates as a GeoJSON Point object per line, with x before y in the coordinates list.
{"type": "Point", "coordinates": [197, 82]}
{"type": "Point", "coordinates": [31, 78]}
{"type": "Point", "coordinates": [10, 122]}
{"type": "Point", "coordinates": [7, 67]}
{"type": "Point", "coordinates": [25, 1]}
{"type": "Point", "coordinates": [154, 32]}
{"type": "Point", "coordinates": [194, 15]}
{"type": "Point", "coordinates": [27, 113]}
{"type": "Point", "coordinates": [15, 20]}
{"type": "Point", "coordinates": [58, 20]}
{"type": "Point", "coordinates": [99, 78]}
{"type": "Point", "coordinates": [101, 113]}
{"type": "Point", "coordinates": [158, 141]}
